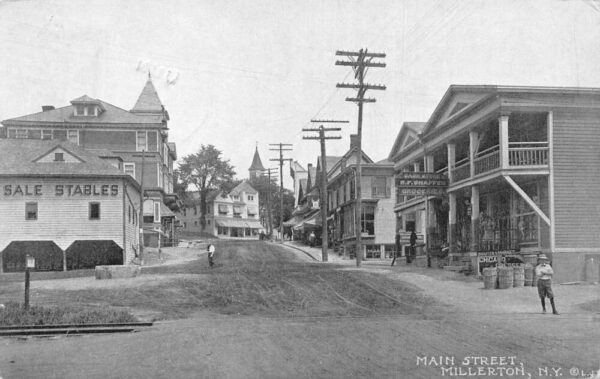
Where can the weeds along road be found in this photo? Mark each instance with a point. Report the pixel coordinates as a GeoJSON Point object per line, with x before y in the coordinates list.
{"type": "Point", "coordinates": [266, 312]}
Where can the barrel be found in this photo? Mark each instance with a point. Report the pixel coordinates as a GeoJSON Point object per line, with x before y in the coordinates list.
{"type": "Point", "coordinates": [531, 259]}
{"type": "Point", "coordinates": [505, 277]}
{"type": "Point", "coordinates": [518, 276]}
{"type": "Point", "coordinates": [489, 278]}
{"type": "Point", "coordinates": [528, 273]}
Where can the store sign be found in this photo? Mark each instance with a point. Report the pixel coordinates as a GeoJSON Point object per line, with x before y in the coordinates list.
{"type": "Point", "coordinates": [421, 183]}
{"type": "Point", "coordinates": [66, 190]}
{"type": "Point", "coordinates": [492, 258]}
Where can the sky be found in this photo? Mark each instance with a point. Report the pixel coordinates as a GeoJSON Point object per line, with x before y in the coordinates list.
{"type": "Point", "coordinates": [246, 74]}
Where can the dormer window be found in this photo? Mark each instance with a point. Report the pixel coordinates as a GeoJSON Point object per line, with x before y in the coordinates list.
{"type": "Point", "coordinates": [79, 110]}
{"type": "Point", "coordinates": [58, 157]}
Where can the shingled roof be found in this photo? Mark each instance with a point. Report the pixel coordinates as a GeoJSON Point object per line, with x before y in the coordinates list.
{"type": "Point", "coordinates": [243, 187]}
{"type": "Point", "coordinates": [148, 101]}
{"type": "Point", "coordinates": [20, 157]}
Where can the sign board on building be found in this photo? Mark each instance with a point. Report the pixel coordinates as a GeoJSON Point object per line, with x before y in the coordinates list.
{"type": "Point", "coordinates": [491, 259]}
{"type": "Point", "coordinates": [421, 183]}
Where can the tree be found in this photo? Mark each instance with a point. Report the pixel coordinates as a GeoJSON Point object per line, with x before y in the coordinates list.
{"type": "Point", "coordinates": [262, 185]}
{"type": "Point", "coordinates": [206, 170]}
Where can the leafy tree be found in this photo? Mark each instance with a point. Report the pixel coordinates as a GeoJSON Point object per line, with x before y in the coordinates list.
{"type": "Point", "coordinates": [206, 170]}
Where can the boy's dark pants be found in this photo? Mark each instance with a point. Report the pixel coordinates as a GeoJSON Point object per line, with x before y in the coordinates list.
{"type": "Point", "coordinates": [545, 290]}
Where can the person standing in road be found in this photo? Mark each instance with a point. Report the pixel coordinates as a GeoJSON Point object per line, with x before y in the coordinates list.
{"type": "Point", "coordinates": [544, 272]}
{"type": "Point", "coordinates": [211, 254]}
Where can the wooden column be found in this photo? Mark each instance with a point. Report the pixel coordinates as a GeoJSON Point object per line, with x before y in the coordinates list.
{"type": "Point", "coordinates": [452, 222]}
{"type": "Point", "coordinates": [473, 136]}
{"type": "Point", "coordinates": [503, 134]}
{"type": "Point", "coordinates": [474, 218]}
{"type": "Point", "coordinates": [451, 160]}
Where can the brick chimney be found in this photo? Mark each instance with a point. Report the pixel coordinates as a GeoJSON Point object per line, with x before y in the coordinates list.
{"type": "Point", "coordinates": [46, 108]}
{"type": "Point", "coordinates": [353, 140]}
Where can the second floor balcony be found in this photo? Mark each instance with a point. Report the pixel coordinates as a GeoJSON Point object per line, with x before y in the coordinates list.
{"type": "Point", "coordinates": [521, 155]}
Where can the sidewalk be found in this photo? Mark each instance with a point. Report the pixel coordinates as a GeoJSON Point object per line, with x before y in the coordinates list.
{"type": "Point", "coordinates": [467, 292]}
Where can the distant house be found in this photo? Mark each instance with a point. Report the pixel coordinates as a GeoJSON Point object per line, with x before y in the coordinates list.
{"type": "Point", "coordinates": [234, 214]}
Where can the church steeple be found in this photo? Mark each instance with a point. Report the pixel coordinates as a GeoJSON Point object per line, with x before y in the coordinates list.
{"type": "Point", "coordinates": [257, 168]}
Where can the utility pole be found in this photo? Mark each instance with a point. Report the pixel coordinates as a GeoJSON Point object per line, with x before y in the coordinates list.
{"type": "Point", "coordinates": [282, 147]}
{"type": "Point", "coordinates": [359, 61]}
{"type": "Point", "coordinates": [324, 201]}
{"type": "Point", "coordinates": [269, 216]}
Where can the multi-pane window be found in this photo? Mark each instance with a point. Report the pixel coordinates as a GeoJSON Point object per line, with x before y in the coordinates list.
{"type": "Point", "coordinates": [79, 110]}
{"type": "Point", "coordinates": [129, 169]}
{"type": "Point", "coordinates": [21, 133]}
{"type": "Point", "coordinates": [379, 187]}
{"type": "Point", "coordinates": [368, 220]}
{"type": "Point", "coordinates": [46, 133]}
{"type": "Point", "coordinates": [73, 136]}
{"type": "Point", "coordinates": [250, 197]}
{"type": "Point", "coordinates": [141, 141]}
{"type": "Point", "coordinates": [31, 211]}
{"type": "Point", "coordinates": [94, 211]}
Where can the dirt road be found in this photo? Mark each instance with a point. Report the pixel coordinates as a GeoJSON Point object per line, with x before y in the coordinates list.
{"type": "Point", "coordinates": [264, 312]}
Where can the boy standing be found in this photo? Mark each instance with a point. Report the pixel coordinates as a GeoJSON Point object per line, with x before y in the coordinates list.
{"type": "Point", "coordinates": [211, 254]}
{"type": "Point", "coordinates": [544, 273]}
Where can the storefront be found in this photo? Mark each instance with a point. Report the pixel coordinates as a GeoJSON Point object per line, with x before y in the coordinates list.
{"type": "Point", "coordinates": [521, 165]}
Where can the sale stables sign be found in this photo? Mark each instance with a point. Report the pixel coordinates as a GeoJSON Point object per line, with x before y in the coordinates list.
{"type": "Point", "coordinates": [421, 183]}
{"type": "Point", "coordinates": [60, 190]}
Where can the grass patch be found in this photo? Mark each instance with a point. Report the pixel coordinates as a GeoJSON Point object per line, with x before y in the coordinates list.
{"type": "Point", "coordinates": [13, 314]}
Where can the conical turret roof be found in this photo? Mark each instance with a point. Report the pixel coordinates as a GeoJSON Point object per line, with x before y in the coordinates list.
{"type": "Point", "coordinates": [148, 101]}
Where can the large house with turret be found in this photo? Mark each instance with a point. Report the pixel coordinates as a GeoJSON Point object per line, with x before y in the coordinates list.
{"type": "Point", "coordinates": [136, 141]}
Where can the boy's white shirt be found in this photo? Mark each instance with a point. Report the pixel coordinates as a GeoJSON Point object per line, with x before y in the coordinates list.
{"type": "Point", "coordinates": [544, 271]}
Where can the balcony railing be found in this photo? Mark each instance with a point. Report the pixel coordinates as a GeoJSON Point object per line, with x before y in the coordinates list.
{"type": "Point", "coordinates": [487, 160]}
{"type": "Point", "coordinates": [461, 170]}
{"type": "Point", "coordinates": [528, 153]}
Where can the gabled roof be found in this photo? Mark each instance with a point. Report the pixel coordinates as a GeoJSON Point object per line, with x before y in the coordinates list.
{"type": "Point", "coordinates": [243, 187]}
{"type": "Point", "coordinates": [22, 157]}
{"type": "Point", "coordinates": [408, 130]}
{"type": "Point", "coordinates": [256, 162]}
{"type": "Point", "coordinates": [148, 101]}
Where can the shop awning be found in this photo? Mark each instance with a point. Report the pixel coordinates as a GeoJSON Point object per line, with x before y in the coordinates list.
{"type": "Point", "coordinates": [292, 222]}
{"type": "Point", "coordinates": [165, 212]}
{"type": "Point", "coordinates": [312, 221]}
{"type": "Point", "coordinates": [239, 223]}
